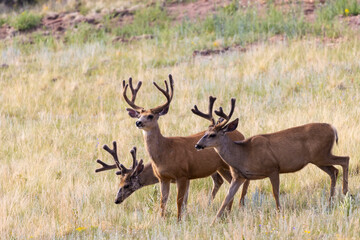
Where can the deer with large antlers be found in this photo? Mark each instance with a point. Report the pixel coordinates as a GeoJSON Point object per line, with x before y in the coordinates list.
{"type": "Point", "coordinates": [131, 180]}
{"type": "Point", "coordinates": [174, 159]}
{"type": "Point", "coordinates": [268, 155]}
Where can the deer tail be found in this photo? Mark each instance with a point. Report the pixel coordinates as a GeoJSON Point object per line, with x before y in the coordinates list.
{"type": "Point", "coordinates": [336, 134]}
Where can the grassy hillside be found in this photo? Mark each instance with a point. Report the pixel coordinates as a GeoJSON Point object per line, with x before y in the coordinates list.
{"type": "Point", "coordinates": [61, 101]}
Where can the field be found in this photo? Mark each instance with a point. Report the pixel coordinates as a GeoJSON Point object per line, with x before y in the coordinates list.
{"type": "Point", "coordinates": [61, 101]}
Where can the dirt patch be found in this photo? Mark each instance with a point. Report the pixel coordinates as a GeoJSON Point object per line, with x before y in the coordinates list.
{"type": "Point", "coordinates": [195, 10]}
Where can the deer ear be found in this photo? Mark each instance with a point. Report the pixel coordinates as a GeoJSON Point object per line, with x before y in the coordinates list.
{"type": "Point", "coordinates": [139, 168]}
{"type": "Point", "coordinates": [232, 126]}
{"type": "Point", "coordinates": [164, 111]}
{"type": "Point", "coordinates": [132, 113]}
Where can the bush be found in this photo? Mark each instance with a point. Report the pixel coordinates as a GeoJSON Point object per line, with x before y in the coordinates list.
{"type": "Point", "coordinates": [26, 21]}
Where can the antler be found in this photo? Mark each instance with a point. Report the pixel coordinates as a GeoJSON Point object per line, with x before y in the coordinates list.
{"type": "Point", "coordinates": [224, 119]}
{"type": "Point", "coordinates": [168, 95]}
{"type": "Point", "coordinates": [207, 116]}
{"type": "Point", "coordinates": [133, 92]}
{"type": "Point", "coordinates": [117, 164]}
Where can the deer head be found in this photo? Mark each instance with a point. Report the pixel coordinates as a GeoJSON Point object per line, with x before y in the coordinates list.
{"type": "Point", "coordinates": [216, 131]}
{"type": "Point", "coordinates": [147, 119]}
{"type": "Point", "coordinates": [129, 181]}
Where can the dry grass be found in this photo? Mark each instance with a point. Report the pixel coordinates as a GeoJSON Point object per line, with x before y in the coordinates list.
{"type": "Point", "coordinates": [59, 106]}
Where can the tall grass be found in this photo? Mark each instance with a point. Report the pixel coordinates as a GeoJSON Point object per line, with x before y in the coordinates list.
{"type": "Point", "coordinates": [55, 117]}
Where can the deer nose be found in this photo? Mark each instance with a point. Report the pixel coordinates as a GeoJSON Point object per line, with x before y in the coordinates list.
{"type": "Point", "coordinates": [138, 123]}
{"type": "Point", "coordinates": [117, 201]}
{"type": "Point", "coordinates": [198, 147]}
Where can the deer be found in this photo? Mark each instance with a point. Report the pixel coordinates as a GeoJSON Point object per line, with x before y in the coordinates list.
{"type": "Point", "coordinates": [136, 177]}
{"type": "Point", "coordinates": [174, 159]}
{"type": "Point", "coordinates": [269, 155]}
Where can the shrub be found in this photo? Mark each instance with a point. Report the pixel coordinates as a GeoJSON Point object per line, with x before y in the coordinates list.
{"type": "Point", "coordinates": [26, 21]}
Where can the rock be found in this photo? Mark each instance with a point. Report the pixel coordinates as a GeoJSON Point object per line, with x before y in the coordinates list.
{"type": "Point", "coordinates": [52, 16]}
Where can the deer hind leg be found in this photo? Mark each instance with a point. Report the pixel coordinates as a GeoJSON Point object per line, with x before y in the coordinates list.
{"type": "Point", "coordinates": [165, 189]}
{"type": "Point", "coordinates": [243, 193]}
{"type": "Point", "coordinates": [182, 189]}
{"type": "Point", "coordinates": [333, 173]}
{"type": "Point", "coordinates": [217, 182]}
{"type": "Point", "coordinates": [234, 187]}
{"type": "Point", "coordinates": [275, 182]}
{"type": "Point", "coordinates": [344, 163]}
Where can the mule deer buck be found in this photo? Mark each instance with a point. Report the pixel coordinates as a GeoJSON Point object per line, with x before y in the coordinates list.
{"type": "Point", "coordinates": [131, 180]}
{"type": "Point", "coordinates": [268, 155]}
{"type": "Point", "coordinates": [174, 159]}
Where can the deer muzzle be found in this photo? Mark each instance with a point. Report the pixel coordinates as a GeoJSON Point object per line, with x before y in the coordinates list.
{"type": "Point", "coordinates": [199, 147]}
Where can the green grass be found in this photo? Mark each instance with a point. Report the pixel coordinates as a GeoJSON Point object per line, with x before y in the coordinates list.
{"type": "Point", "coordinates": [26, 21]}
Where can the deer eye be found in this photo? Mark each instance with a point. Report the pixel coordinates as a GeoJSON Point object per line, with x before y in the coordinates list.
{"type": "Point", "coordinates": [150, 117]}
{"type": "Point", "coordinates": [126, 186]}
{"type": "Point", "coordinates": [212, 135]}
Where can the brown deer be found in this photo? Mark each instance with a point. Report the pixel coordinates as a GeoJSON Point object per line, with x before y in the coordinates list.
{"type": "Point", "coordinates": [130, 181]}
{"type": "Point", "coordinates": [174, 159]}
{"type": "Point", "coordinates": [268, 155]}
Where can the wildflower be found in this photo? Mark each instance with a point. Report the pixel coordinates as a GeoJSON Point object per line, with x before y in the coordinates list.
{"type": "Point", "coordinates": [80, 229]}
{"type": "Point", "coordinates": [192, 43]}
{"type": "Point", "coordinates": [118, 53]}
{"type": "Point", "coordinates": [45, 8]}
{"type": "Point", "coordinates": [307, 231]}
{"type": "Point", "coordinates": [297, 83]}
{"type": "Point", "coordinates": [346, 11]}
{"type": "Point", "coordinates": [216, 44]}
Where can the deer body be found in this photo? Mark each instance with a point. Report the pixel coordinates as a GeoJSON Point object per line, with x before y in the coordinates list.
{"type": "Point", "coordinates": [285, 151]}
{"type": "Point", "coordinates": [269, 155]}
{"type": "Point", "coordinates": [184, 161]}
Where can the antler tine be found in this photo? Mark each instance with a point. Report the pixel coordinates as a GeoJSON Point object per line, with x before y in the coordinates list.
{"type": "Point", "coordinates": [207, 116]}
{"type": "Point", "coordinates": [221, 114]}
{"type": "Point", "coordinates": [133, 154]}
{"type": "Point", "coordinates": [105, 166]}
{"type": "Point", "coordinates": [133, 92]}
{"type": "Point", "coordinates": [168, 95]}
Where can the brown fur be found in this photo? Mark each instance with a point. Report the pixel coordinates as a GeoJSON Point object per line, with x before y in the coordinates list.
{"type": "Point", "coordinates": [268, 155]}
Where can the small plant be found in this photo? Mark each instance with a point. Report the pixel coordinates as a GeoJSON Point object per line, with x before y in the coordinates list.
{"type": "Point", "coordinates": [26, 21]}
{"type": "Point", "coordinates": [2, 21]}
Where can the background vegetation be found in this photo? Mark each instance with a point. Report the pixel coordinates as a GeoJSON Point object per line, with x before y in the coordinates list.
{"type": "Point", "coordinates": [61, 101]}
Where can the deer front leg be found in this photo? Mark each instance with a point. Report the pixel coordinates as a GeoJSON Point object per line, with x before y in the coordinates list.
{"type": "Point", "coordinates": [275, 182]}
{"type": "Point", "coordinates": [243, 193]}
{"type": "Point", "coordinates": [165, 189]}
{"type": "Point", "coordinates": [182, 187]}
{"type": "Point", "coordinates": [217, 182]}
{"type": "Point", "coordinates": [234, 187]}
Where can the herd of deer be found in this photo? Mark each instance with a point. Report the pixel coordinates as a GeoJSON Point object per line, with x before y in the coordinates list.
{"type": "Point", "coordinates": [225, 153]}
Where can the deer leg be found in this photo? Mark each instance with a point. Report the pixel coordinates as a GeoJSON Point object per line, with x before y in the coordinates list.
{"type": "Point", "coordinates": [243, 193]}
{"type": "Point", "coordinates": [275, 182]}
{"type": "Point", "coordinates": [186, 195]}
{"type": "Point", "coordinates": [217, 182]}
{"type": "Point", "coordinates": [344, 163]}
{"type": "Point", "coordinates": [333, 173]}
{"type": "Point", "coordinates": [182, 187]}
{"type": "Point", "coordinates": [226, 174]}
{"type": "Point", "coordinates": [165, 189]}
{"type": "Point", "coordinates": [234, 187]}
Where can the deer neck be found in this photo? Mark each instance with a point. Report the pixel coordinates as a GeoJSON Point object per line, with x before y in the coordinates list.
{"type": "Point", "coordinates": [154, 142]}
{"type": "Point", "coordinates": [228, 150]}
{"type": "Point", "coordinates": [147, 176]}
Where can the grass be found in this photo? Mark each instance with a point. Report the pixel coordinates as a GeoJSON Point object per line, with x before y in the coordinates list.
{"type": "Point", "coordinates": [26, 21]}
{"type": "Point", "coordinates": [62, 101]}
